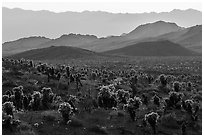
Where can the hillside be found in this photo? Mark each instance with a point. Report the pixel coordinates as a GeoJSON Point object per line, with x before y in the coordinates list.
{"type": "Point", "coordinates": [73, 40]}
{"type": "Point", "coordinates": [154, 48]}
{"type": "Point", "coordinates": [143, 32]}
{"type": "Point", "coordinates": [190, 38]}
{"type": "Point", "coordinates": [153, 29]}
{"type": "Point", "coordinates": [20, 45]}
{"type": "Point", "coordinates": [55, 53]}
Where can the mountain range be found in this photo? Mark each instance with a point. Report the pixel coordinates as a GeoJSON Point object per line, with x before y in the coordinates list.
{"type": "Point", "coordinates": [18, 23]}
{"type": "Point", "coordinates": [177, 37]}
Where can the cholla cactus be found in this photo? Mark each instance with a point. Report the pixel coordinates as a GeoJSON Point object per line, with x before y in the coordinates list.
{"type": "Point", "coordinates": [31, 64]}
{"type": "Point", "coordinates": [46, 97]}
{"type": "Point", "coordinates": [189, 86]}
{"type": "Point", "coordinates": [66, 111]}
{"type": "Point", "coordinates": [103, 96]}
{"type": "Point", "coordinates": [105, 91]}
{"type": "Point", "coordinates": [137, 102]}
{"type": "Point", "coordinates": [132, 72]}
{"type": "Point", "coordinates": [8, 108]}
{"type": "Point", "coordinates": [132, 106]}
{"type": "Point", "coordinates": [6, 120]}
{"type": "Point", "coordinates": [9, 93]}
{"type": "Point", "coordinates": [156, 100]}
{"type": "Point", "coordinates": [35, 103]}
{"type": "Point", "coordinates": [174, 98]}
{"type": "Point", "coordinates": [188, 106]}
{"type": "Point", "coordinates": [5, 98]}
{"type": "Point", "coordinates": [163, 80]}
{"type": "Point", "coordinates": [122, 96]}
{"type": "Point", "coordinates": [152, 118]}
{"type": "Point", "coordinates": [176, 86]}
{"type": "Point", "coordinates": [18, 93]}
{"type": "Point", "coordinates": [93, 75]}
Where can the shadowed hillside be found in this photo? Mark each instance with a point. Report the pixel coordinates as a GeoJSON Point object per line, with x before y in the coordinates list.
{"type": "Point", "coordinates": [190, 38]}
{"type": "Point", "coordinates": [22, 44]}
{"type": "Point", "coordinates": [155, 48]}
{"type": "Point", "coordinates": [55, 53]}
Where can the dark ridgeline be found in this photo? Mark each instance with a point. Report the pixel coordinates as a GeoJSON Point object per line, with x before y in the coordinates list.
{"type": "Point", "coordinates": [55, 53]}
{"type": "Point", "coordinates": [154, 48]}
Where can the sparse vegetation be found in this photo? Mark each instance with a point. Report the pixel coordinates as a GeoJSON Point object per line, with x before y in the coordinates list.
{"type": "Point", "coordinates": [103, 97]}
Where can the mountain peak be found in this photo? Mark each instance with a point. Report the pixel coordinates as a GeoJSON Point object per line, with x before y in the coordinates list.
{"type": "Point", "coordinates": [72, 35]}
{"type": "Point", "coordinates": [153, 29]}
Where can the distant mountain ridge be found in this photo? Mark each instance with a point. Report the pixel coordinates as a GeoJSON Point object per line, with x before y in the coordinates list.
{"type": "Point", "coordinates": [190, 38]}
{"type": "Point", "coordinates": [74, 40]}
{"type": "Point", "coordinates": [101, 24]}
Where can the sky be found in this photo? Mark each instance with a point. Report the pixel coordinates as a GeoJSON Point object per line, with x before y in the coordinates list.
{"type": "Point", "coordinates": [113, 6]}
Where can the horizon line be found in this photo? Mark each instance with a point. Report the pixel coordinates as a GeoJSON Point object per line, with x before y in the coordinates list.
{"type": "Point", "coordinates": [101, 11]}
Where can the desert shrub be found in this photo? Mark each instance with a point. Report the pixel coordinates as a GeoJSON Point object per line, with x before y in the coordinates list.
{"type": "Point", "coordinates": [9, 93]}
{"type": "Point", "coordinates": [137, 102]}
{"type": "Point", "coordinates": [57, 100]}
{"type": "Point", "coordinates": [106, 97]}
{"type": "Point", "coordinates": [8, 108]}
{"type": "Point", "coordinates": [8, 122]}
{"type": "Point", "coordinates": [5, 98]}
{"type": "Point", "coordinates": [163, 80]}
{"type": "Point", "coordinates": [188, 106]}
{"type": "Point", "coordinates": [152, 119]}
{"type": "Point", "coordinates": [46, 95]}
{"type": "Point", "coordinates": [18, 93]}
{"type": "Point", "coordinates": [174, 99]}
{"type": "Point", "coordinates": [177, 86]}
{"type": "Point", "coordinates": [25, 102]}
{"type": "Point", "coordinates": [132, 106]}
{"type": "Point", "coordinates": [189, 86]}
{"type": "Point", "coordinates": [66, 111]}
{"type": "Point", "coordinates": [156, 100]}
{"type": "Point", "coordinates": [133, 83]}
{"type": "Point", "coordinates": [12, 99]}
